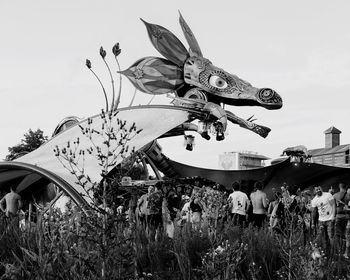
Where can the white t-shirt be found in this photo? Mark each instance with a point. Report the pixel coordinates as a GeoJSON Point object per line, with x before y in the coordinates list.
{"type": "Point", "coordinates": [325, 210]}
{"type": "Point", "coordinates": [239, 202]}
{"type": "Point", "coordinates": [186, 211]}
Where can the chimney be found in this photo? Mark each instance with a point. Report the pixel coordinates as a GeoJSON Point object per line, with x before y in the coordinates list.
{"type": "Point", "coordinates": [332, 137]}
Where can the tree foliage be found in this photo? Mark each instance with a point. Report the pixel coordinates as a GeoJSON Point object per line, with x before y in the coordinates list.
{"type": "Point", "coordinates": [31, 141]}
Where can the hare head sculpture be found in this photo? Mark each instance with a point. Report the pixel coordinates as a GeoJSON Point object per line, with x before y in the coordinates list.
{"type": "Point", "coordinates": [191, 76]}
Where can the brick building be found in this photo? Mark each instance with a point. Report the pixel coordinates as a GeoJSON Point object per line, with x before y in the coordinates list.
{"type": "Point", "coordinates": [333, 153]}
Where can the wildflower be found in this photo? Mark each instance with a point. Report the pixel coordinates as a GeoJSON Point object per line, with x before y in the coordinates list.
{"type": "Point", "coordinates": [316, 254]}
{"type": "Point", "coordinates": [88, 64]}
{"type": "Point", "coordinates": [116, 50]}
{"type": "Point", "coordinates": [103, 53]}
{"type": "Point", "coordinates": [219, 250]}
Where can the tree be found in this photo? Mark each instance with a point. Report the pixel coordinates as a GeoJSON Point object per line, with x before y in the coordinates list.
{"type": "Point", "coordinates": [31, 141]}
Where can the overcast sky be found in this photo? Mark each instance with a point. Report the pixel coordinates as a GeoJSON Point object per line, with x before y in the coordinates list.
{"type": "Point", "coordinates": [300, 49]}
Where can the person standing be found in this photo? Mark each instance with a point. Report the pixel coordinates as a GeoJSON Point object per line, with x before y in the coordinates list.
{"type": "Point", "coordinates": [173, 200]}
{"type": "Point", "coordinates": [239, 203]}
{"type": "Point", "coordinates": [259, 203]}
{"type": "Point", "coordinates": [185, 212]}
{"type": "Point", "coordinates": [347, 232]}
{"type": "Point", "coordinates": [341, 216]}
{"type": "Point", "coordinates": [11, 203]}
{"type": "Point", "coordinates": [142, 206]}
{"type": "Point", "coordinates": [325, 204]}
{"type": "Point", "coordinates": [196, 210]}
{"type": "Point", "coordinates": [154, 208]}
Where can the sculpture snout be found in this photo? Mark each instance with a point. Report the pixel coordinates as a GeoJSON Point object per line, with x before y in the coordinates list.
{"type": "Point", "coordinates": [269, 99]}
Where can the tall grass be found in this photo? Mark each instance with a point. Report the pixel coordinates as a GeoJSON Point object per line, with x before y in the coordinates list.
{"type": "Point", "coordinates": [70, 246]}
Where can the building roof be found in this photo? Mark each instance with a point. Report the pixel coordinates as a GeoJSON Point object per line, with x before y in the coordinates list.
{"type": "Point", "coordinates": [333, 130]}
{"type": "Point", "coordinates": [248, 154]}
{"type": "Point", "coordinates": [256, 156]}
{"type": "Point", "coordinates": [326, 151]}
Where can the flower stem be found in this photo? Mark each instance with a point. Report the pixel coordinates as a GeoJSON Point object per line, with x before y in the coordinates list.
{"type": "Point", "coordinates": [115, 106]}
{"type": "Point", "coordinates": [112, 81]}
{"type": "Point", "coordinates": [104, 91]}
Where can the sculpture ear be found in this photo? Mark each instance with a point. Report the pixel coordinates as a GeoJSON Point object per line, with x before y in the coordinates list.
{"type": "Point", "coordinates": [167, 43]}
{"type": "Point", "coordinates": [155, 75]}
{"type": "Point", "coordinates": [195, 50]}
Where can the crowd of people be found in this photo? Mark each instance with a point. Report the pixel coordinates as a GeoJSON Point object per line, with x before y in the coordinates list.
{"type": "Point", "coordinates": [322, 215]}
{"type": "Point", "coordinates": [169, 203]}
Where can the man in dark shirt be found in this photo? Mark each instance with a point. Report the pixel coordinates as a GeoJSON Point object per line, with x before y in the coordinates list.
{"type": "Point", "coordinates": [341, 216]}
{"type": "Point", "coordinates": [174, 201]}
{"type": "Point", "coordinates": [196, 212]}
{"type": "Point", "coordinates": [154, 206]}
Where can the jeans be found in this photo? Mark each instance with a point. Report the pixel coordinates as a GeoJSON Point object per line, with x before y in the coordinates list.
{"type": "Point", "coordinates": [340, 232]}
{"type": "Point", "coordinates": [326, 232]}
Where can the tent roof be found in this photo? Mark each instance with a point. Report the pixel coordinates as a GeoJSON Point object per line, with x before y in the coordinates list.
{"type": "Point", "coordinates": [302, 175]}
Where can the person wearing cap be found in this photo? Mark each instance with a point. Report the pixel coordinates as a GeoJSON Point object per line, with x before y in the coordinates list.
{"type": "Point", "coordinates": [325, 204]}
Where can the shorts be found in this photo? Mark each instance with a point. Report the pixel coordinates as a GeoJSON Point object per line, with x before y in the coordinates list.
{"type": "Point", "coordinates": [238, 219]}
{"type": "Point", "coordinates": [259, 219]}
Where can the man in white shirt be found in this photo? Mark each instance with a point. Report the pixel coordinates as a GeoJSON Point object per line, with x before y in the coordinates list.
{"type": "Point", "coordinates": [185, 211]}
{"type": "Point", "coordinates": [239, 203]}
{"type": "Point", "coordinates": [325, 205]}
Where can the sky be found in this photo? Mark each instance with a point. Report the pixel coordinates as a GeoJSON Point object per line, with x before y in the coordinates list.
{"type": "Point", "coordinates": [298, 48]}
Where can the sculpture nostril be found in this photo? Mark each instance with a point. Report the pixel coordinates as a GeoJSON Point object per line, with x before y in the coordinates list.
{"type": "Point", "coordinates": [266, 94]}
{"type": "Point", "coordinates": [269, 98]}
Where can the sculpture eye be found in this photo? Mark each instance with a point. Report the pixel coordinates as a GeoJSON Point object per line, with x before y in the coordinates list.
{"type": "Point", "coordinates": [217, 81]}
